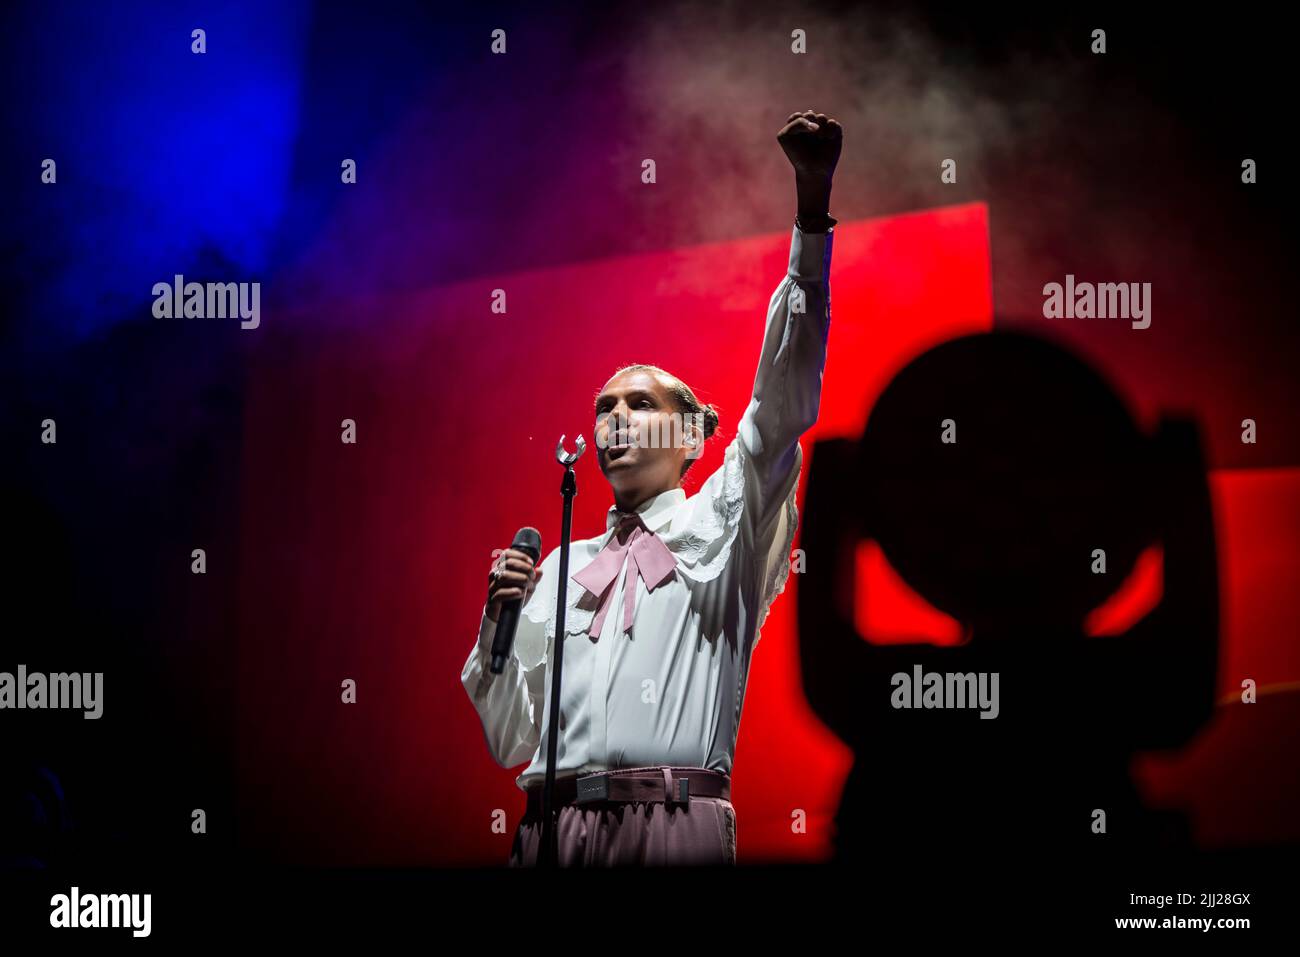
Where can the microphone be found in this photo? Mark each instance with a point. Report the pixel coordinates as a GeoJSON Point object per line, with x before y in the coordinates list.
{"type": "Point", "coordinates": [528, 541]}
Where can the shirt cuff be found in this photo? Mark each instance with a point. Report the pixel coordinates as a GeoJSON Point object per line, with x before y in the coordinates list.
{"type": "Point", "coordinates": [810, 255]}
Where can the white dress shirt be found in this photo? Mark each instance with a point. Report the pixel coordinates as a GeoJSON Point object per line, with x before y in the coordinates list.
{"type": "Point", "coordinates": [669, 691]}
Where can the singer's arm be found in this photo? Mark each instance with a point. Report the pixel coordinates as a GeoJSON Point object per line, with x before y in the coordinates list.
{"type": "Point", "coordinates": [509, 705]}
{"type": "Point", "coordinates": [788, 383]}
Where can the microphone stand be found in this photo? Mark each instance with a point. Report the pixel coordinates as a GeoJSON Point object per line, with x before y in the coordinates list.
{"type": "Point", "coordinates": [547, 856]}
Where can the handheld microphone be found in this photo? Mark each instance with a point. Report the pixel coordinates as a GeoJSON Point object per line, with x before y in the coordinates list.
{"type": "Point", "coordinates": [528, 541]}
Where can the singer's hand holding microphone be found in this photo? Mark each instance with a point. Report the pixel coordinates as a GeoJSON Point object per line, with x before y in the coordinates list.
{"type": "Point", "coordinates": [511, 580]}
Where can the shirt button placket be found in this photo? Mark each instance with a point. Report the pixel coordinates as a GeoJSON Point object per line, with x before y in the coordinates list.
{"type": "Point", "coordinates": [599, 704]}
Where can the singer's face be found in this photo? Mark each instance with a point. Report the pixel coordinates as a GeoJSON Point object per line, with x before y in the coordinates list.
{"type": "Point", "coordinates": [634, 414]}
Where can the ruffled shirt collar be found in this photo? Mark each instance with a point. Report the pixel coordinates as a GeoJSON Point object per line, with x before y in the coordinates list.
{"type": "Point", "coordinates": [699, 530]}
{"type": "Point", "coordinates": [656, 511]}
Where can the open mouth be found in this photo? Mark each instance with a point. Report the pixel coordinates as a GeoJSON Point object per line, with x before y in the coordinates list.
{"type": "Point", "coordinates": [619, 445]}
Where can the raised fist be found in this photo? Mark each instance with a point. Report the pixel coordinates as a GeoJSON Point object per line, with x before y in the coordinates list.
{"type": "Point", "coordinates": [812, 143]}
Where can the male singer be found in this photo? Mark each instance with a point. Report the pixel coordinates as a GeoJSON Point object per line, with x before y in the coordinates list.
{"type": "Point", "coordinates": [664, 609]}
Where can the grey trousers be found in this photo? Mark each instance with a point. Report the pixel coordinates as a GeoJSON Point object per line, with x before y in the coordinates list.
{"type": "Point", "coordinates": [635, 834]}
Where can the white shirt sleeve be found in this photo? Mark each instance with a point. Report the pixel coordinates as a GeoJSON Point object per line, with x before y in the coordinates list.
{"type": "Point", "coordinates": [787, 388]}
{"type": "Point", "coordinates": [509, 705]}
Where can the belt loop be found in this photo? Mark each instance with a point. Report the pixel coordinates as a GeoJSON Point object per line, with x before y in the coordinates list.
{"type": "Point", "coordinates": [668, 786]}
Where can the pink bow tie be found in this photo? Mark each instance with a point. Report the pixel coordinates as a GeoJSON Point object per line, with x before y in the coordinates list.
{"type": "Point", "coordinates": [647, 556]}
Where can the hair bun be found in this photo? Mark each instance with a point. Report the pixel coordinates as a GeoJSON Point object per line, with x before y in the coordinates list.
{"type": "Point", "coordinates": [710, 420]}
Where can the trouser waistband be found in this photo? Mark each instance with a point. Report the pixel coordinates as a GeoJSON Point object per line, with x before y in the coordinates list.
{"type": "Point", "coordinates": [668, 784]}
